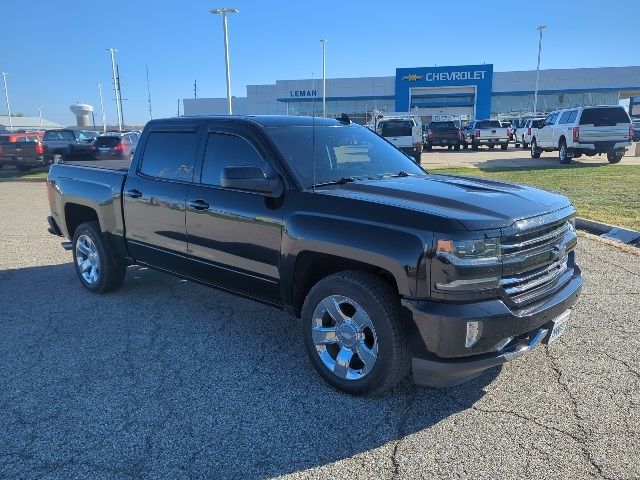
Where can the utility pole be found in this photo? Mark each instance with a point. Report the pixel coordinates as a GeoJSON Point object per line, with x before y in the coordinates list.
{"type": "Point", "coordinates": [149, 93]}
{"type": "Point", "coordinates": [223, 12]}
{"type": "Point", "coordinates": [178, 107]}
{"type": "Point", "coordinates": [324, 76]}
{"type": "Point", "coordinates": [120, 94]}
{"type": "Point", "coordinates": [116, 86]}
{"type": "Point", "coordinates": [40, 115]}
{"type": "Point", "coordinates": [6, 95]}
{"type": "Point", "coordinates": [535, 96]}
{"type": "Point", "coordinates": [104, 119]}
{"type": "Point", "coordinates": [195, 89]}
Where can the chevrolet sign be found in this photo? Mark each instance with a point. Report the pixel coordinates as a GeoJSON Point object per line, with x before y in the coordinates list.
{"type": "Point", "coordinates": [412, 78]}
{"type": "Point", "coordinates": [453, 76]}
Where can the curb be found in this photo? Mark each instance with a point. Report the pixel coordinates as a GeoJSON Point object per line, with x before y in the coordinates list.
{"type": "Point", "coordinates": [611, 232]}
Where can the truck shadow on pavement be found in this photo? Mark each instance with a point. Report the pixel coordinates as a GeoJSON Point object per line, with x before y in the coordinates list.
{"type": "Point", "coordinates": [168, 378]}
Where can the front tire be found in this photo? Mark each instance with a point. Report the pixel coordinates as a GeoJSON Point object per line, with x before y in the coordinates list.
{"type": "Point", "coordinates": [96, 268]}
{"type": "Point", "coordinates": [354, 333]}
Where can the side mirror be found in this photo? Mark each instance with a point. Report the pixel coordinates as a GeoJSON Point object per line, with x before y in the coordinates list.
{"type": "Point", "coordinates": [252, 179]}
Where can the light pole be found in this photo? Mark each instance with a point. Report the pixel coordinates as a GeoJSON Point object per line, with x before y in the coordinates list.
{"type": "Point", "coordinates": [6, 95]}
{"type": "Point", "coordinates": [116, 86]}
{"type": "Point", "coordinates": [104, 119]}
{"type": "Point", "coordinates": [324, 76]}
{"type": "Point", "coordinates": [40, 115]}
{"type": "Point", "coordinates": [223, 12]}
{"type": "Point", "coordinates": [535, 95]}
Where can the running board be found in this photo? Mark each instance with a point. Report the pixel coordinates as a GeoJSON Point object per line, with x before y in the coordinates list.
{"type": "Point", "coordinates": [67, 245]}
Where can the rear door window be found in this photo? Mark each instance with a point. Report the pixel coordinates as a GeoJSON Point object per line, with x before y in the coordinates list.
{"type": "Point", "coordinates": [170, 155]}
{"type": "Point", "coordinates": [607, 116]}
{"type": "Point", "coordinates": [564, 118]}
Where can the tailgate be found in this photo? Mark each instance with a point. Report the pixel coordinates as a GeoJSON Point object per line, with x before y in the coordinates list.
{"type": "Point", "coordinates": [616, 133]}
{"type": "Point", "coordinates": [493, 133]}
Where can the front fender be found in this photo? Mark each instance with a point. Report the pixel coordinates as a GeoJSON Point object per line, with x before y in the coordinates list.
{"type": "Point", "coordinates": [401, 252]}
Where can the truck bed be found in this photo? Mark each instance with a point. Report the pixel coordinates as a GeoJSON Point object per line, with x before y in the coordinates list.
{"type": "Point", "coordinates": [119, 165]}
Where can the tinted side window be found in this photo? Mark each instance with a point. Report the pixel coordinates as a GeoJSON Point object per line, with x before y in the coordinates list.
{"type": "Point", "coordinates": [225, 150]}
{"type": "Point", "coordinates": [572, 116]}
{"type": "Point", "coordinates": [170, 155]}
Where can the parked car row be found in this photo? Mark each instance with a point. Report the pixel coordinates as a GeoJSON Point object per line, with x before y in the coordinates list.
{"type": "Point", "coordinates": [27, 150]}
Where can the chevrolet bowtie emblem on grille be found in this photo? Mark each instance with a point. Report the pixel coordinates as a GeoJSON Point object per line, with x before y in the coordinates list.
{"type": "Point", "coordinates": [18, 149]}
{"type": "Point", "coordinates": [412, 78]}
{"type": "Point", "coordinates": [559, 252]}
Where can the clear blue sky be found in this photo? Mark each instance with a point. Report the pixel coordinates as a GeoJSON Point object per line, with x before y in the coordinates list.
{"type": "Point", "coordinates": [55, 53]}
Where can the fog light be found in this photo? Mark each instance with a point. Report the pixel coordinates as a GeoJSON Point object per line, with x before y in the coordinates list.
{"type": "Point", "coordinates": [503, 343]}
{"type": "Point", "coordinates": [474, 329]}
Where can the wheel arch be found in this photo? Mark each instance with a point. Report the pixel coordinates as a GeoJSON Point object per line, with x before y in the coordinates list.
{"type": "Point", "coordinates": [311, 267]}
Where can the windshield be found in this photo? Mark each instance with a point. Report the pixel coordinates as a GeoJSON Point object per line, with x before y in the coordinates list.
{"type": "Point", "coordinates": [604, 116]}
{"type": "Point", "coordinates": [340, 151]}
{"type": "Point", "coordinates": [442, 125]}
{"type": "Point", "coordinates": [488, 124]}
{"type": "Point", "coordinates": [395, 128]}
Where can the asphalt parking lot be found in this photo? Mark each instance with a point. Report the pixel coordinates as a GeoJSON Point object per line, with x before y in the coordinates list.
{"type": "Point", "coordinates": [167, 379]}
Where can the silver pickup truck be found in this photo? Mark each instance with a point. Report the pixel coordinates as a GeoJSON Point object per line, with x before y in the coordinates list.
{"type": "Point", "coordinates": [485, 132]}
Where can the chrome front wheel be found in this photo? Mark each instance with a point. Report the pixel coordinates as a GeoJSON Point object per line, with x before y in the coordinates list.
{"type": "Point", "coordinates": [87, 259]}
{"type": "Point", "coordinates": [344, 337]}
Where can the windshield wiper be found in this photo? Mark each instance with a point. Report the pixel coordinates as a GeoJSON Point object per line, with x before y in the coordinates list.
{"type": "Point", "coordinates": [401, 173]}
{"type": "Point", "coordinates": [342, 181]}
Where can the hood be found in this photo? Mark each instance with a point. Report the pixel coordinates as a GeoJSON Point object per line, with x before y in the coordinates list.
{"type": "Point", "coordinates": [477, 203]}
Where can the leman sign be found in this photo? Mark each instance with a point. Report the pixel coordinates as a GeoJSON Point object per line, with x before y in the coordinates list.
{"type": "Point", "coordinates": [303, 93]}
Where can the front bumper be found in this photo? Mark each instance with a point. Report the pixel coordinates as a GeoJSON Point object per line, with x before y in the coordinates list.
{"type": "Point", "coordinates": [439, 331]}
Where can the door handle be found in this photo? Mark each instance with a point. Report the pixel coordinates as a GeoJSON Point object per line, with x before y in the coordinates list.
{"type": "Point", "coordinates": [133, 193]}
{"type": "Point", "coordinates": [199, 204]}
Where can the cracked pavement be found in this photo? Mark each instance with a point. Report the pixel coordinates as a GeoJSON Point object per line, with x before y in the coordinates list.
{"type": "Point", "coordinates": [167, 379]}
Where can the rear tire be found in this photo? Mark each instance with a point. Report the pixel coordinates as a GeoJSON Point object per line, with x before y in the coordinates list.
{"type": "Point", "coordinates": [535, 153]}
{"type": "Point", "coordinates": [386, 359]}
{"type": "Point", "coordinates": [504, 146]}
{"type": "Point", "coordinates": [525, 145]}
{"type": "Point", "coordinates": [456, 147]}
{"type": "Point", "coordinates": [474, 146]}
{"type": "Point", "coordinates": [614, 157]}
{"type": "Point", "coordinates": [97, 269]}
{"type": "Point", "coordinates": [563, 155]}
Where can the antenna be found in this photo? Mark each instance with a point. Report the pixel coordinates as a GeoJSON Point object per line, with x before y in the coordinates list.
{"type": "Point", "coordinates": [313, 136]}
{"type": "Point", "coordinates": [149, 93]}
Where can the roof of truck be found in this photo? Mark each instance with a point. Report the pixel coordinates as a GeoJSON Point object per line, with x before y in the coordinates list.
{"type": "Point", "coordinates": [264, 120]}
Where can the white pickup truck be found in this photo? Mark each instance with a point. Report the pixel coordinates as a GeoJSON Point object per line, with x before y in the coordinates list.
{"type": "Point", "coordinates": [404, 132]}
{"type": "Point", "coordinates": [485, 132]}
{"type": "Point", "coordinates": [573, 132]}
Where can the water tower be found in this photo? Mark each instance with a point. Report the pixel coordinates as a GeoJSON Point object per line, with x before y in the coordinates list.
{"type": "Point", "coordinates": [82, 111]}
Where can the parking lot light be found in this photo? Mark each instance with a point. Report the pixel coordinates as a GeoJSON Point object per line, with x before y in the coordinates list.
{"type": "Point", "coordinates": [223, 12]}
{"type": "Point", "coordinates": [535, 95]}
{"type": "Point", "coordinates": [6, 95]}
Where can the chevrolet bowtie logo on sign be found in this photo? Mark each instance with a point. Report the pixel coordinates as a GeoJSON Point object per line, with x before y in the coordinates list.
{"type": "Point", "coordinates": [412, 78]}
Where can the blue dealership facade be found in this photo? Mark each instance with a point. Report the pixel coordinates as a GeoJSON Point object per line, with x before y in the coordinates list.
{"type": "Point", "coordinates": [439, 92]}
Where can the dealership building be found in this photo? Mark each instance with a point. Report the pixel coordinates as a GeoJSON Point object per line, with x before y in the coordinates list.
{"type": "Point", "coordinates": [466, 91]}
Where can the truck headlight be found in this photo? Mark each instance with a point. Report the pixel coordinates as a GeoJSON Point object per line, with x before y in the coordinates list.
{"type": "Point", "coordinates": [469, 251]}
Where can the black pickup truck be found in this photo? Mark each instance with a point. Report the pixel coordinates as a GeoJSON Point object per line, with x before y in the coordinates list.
{"type": "Point", "coordinates": [22, 150]}
{"type": "Point", "coordinates": [443, 134]}
{"type": "Point", "coordinates": [69, 144]}
{"type": "Point", "coordinates": [389, 268]}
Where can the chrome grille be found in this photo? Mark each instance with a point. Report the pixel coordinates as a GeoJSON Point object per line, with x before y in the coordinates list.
{"type": "Point", "coordinates": [537, 261]}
